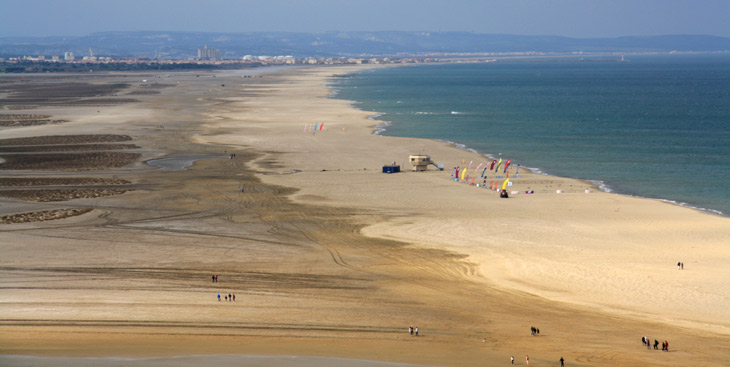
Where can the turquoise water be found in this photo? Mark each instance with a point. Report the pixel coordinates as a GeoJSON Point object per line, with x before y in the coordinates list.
{"type": "Point", "coordinates": [654, 126]}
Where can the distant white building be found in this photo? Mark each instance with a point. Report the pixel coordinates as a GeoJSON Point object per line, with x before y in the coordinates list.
{"type": "Point", "coordinates": [206, 53]}
{"type": "Point", "coordinates": [68, 56]}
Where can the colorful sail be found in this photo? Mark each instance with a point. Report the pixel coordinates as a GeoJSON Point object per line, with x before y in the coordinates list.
{"type": "Point", "coordinates": [506, 165]}
{"type": "Point", "coordinates": [492, 166]}
{"type": "Point", "coordinates": [499, 163]}
{"type": "Point", "coordinates": [504, 184]}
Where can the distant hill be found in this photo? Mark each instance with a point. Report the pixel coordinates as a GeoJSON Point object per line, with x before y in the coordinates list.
{"type": "Point", "coordinates": [180, 45]}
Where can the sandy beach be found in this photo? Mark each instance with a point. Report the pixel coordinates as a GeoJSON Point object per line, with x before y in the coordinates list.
{"type": "Point", "coordinates": [326, 255]}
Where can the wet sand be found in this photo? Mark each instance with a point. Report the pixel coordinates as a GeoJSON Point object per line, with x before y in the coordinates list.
{"type": "Point", "coordinates": [329, 257]}
{"type": "Point", "coordinates": [190, 361]}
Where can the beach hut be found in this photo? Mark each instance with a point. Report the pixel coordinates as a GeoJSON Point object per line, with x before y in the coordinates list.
{"type": "Point", "coordinates": [420, 162]}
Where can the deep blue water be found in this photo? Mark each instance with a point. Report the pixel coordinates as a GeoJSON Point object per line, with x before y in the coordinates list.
{"type": "Point", "coordinates": [654, 126]}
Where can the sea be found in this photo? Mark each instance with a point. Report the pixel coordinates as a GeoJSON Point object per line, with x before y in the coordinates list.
{"type": "Point", "coordinates": [655, 126]}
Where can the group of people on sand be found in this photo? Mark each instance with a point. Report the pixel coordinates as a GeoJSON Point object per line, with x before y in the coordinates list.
{"type": "Point", "coordinates": [646, 342]}
{"type": "Point", "coordinates": [527, 360]}
{"type": "Point", "coordinates": [413, 331]}
{"type": "Point", "coordinates": [229, 297]}
{"type": "Point", "coordinates": [534, 332]}
{"type": "Point", "coordinates": [680, 265]}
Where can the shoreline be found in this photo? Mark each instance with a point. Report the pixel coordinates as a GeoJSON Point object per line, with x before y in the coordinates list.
{"type": "Point", "coordinates": [597, 184]}
{"type": "Point", "coordinates": [381, 127]}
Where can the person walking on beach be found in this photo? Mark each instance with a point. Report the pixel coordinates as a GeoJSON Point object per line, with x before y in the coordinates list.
{"type": "Point", "coordinates": [410, 330]}
{"type": "Point", "coordinates": [219, 297]}
{"type": "Point", "coordinates": [416, 331]}
{"type": "Point", "coordinates": [648, 344]}
{"type": "Point", "coordinates": [512, 359]}
{"type": "Point", "coordinates": [234, 298]}
{"type": "Point", "coordinates": [656, 344]}
{"type": "Point", "coordinates": [212, 278]}
{"type": "Point", "coordinates": [230, 298]}
{"type": "Point", "coordinates": [562, 362]}
{"type": "Point", "coordinates": [527, 359]}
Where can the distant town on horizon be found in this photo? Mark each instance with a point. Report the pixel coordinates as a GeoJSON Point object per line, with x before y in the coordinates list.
{"type": "Point", "coordinates": [213, 50]}
{"type": "Point", "coordinates": [184, 45]}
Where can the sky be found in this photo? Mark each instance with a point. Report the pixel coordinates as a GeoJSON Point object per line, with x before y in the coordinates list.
{"type": "Point", "coordinates": [569, 18]}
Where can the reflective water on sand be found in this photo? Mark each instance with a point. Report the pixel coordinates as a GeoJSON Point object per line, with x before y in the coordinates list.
{"type": "Point", "coordinates": [179, 163]}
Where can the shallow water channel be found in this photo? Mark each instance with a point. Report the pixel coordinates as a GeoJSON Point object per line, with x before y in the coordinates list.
{"type": "Point", "coordinates": [179, 163]}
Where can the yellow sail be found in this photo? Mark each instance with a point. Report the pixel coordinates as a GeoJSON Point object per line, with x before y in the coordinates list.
{"type": "Point", "coordinates": [504, 185]}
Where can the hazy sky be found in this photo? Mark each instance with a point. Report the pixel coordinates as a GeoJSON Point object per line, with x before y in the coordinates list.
{"type": "Point", "coordinates": [571, 18]}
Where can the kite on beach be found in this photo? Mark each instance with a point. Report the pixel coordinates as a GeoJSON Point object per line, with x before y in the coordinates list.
{"type": "Point", "coordinates": [504, 184]}
{"type": "Point", "coordinates": [506, 165]}
{"type": "Point", "coordinates": [498, 165]}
